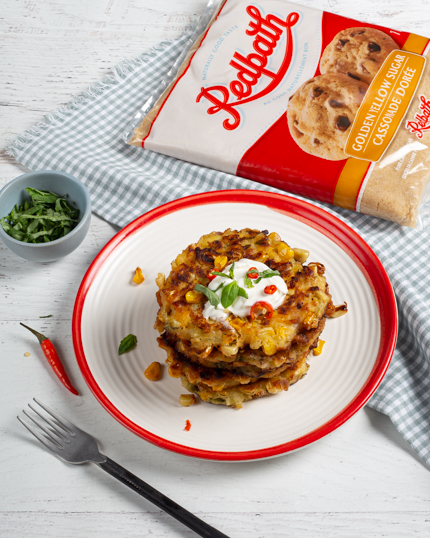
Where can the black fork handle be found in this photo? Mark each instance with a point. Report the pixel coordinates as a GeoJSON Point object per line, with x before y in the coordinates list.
{"type": "Point", "coordinates": [160, 500]}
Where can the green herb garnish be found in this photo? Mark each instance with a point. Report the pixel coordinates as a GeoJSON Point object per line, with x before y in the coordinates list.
{"type": "Point", "coordinates": [229, 293]}
{"type": "Point", "coordinates": [220, 274]}
{"type": "Point", "coordinates": [242, 293]}
{"type": "Point", "coordinates": [231, 271]}
{"type": "Point", "coordinates": [267, 274]}
{"type": "Point", "coordinates": [50, 316]}
{"type": "Point", "coordinates": [128, 343]}
{"type": "Point", "coordinates": [211, 295]}
{"type": "Point", "coordinates": [46, 217]}
{"type": "Point", "coordinates": [248, 282]}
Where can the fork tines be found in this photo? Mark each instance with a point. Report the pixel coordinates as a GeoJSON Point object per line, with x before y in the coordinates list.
{"type": "Point", "coordinates": [53, 437]}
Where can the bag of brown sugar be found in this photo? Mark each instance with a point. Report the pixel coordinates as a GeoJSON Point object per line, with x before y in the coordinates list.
{"type": "Point", "coordinates": [303, 100]}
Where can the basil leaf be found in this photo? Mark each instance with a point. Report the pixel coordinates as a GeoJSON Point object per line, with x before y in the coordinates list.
{"type": "Point", "coordinates": [229, 294]}
{"type": "Point", "coordinates": [14, 214]}
{"type": "Point", "coordinates": [231, 271]}
{"type": "Point", "coordinates": [62, 205]}
{"type": "Point", "coordinates": [127, 343]}
{"type": "Point", "coordinates": [242, 293]}
{"type": "Point", "coordinates": [211, 295]}
{"type": "Point", "coordinates": [30, 211]}
{"type": "Point", "coordinates": [267, 274]}
{"type": "Point", "coordinates": [32, 226]}
{"type": "Point", "coordinates": [19, 236]}
{"type": "Point", "coordinates": [45, 197]}
{"type": "Point", "coordinates": [42, 233]}
{"type": "Point", "coordinates": [248, 282]}
{"type": "Point", "coordinates": [50, 316]}
{"type": "Point", "coordinates": [5, 225]}
{"type": "Point", "coordinates": [219, 287]}
{"type": "Point", "coordinates": [219, 274]}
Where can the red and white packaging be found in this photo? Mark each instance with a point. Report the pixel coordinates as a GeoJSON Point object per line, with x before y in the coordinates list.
{"type": "Point", "coordinates": [303, 100]}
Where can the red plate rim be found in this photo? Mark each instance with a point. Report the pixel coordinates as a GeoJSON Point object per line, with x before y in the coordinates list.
{"type": "Point", "coordinates": [327, 224]}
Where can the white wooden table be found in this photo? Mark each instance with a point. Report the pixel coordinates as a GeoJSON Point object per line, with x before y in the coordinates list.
{"type": "Point", "coordinates": [363, 480]}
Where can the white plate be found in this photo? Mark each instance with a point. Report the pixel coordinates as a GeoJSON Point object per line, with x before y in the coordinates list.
{"type": "Point", "coordinates": [339, 382]}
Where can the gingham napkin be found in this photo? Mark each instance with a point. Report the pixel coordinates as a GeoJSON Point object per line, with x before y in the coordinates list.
{"type": "Point", "coordinates": [85, 139]}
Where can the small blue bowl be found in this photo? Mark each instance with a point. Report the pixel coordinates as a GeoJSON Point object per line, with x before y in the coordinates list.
{"type": "Point", "coordinates": [60, 183]}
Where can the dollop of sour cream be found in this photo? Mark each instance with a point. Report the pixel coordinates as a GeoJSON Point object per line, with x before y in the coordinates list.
{"type": "Point", "coordinates": [241, 306]}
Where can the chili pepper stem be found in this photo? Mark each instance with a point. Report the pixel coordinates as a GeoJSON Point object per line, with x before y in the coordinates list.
{"type": "Point", "coordinates": [39, 336]}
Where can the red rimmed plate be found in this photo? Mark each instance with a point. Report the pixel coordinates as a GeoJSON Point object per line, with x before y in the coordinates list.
{"type": "Point", "coordinates": [358, 348]}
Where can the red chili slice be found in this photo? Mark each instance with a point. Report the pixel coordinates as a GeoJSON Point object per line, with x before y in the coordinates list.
{"type": "Point", "coordinates": [270, 290]}
{"type": "Point", "coordinates": [253, 272]}
{"type": "Point", "coordinates": [187, 426]}
{"type": "Point", "coordinates": [261, 307]}
{"type": "Point", "coordinates": [211, 277]}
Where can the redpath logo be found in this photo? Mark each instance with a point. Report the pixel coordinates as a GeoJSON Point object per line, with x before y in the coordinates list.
{"type": "Point", "coordinates": [422, 121]}
{"type": "Point", "coordinates": [251, 68]}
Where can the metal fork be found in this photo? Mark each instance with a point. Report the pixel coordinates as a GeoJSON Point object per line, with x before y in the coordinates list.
{"type": "Point", "coordinates": [73, 445]}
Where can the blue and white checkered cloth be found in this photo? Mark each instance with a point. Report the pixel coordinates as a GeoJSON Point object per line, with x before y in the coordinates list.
{"type": "Point", "coordinates": [85, 140]}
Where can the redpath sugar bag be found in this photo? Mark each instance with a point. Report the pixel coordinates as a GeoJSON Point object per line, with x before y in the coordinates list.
{"type": "Point", "coordinates": [303, 100]}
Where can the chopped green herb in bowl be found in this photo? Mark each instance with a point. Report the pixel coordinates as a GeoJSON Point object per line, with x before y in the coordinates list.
{"type": "Point", "coordinates": [46, 217]}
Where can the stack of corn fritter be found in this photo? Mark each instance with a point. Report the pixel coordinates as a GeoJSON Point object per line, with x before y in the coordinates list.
{"type": "Point", "coordinates": [239, 358]}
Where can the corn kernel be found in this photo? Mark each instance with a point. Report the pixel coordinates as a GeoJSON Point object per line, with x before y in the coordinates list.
{"type": "Point", "coordinates": [26, 354]}
{"type": "Point", "coordinates": [269, 348]}
{"type": "Point", "coordinates": [229, 349]}
{"type": "Point", "coordinates": [267, 332]}
{"type": "Point", "coordinates": [284, 251]}
{"type": "Point", "coordinates": [220, 262]}
{"type": "Point", "coordinates": [160, 280]}
{"type": "Point", "coordinates": [187, 399]}
{"type": "Point", "coordinates": [193, 297]}
{"type": "Point", "coordinates": [237, 323]}
{"type": "Point", "coordinates": [339, 310]}
{"type": "Point", "coordinates": [338, 314]}
{"type": "Point", "coordinates": [273, 237]}
{"type": "Point", "coordinates": [318, 350]}
{"type": "Point", "coordinates": [204, 353]}
{"type": "Point", "coordinates": [309, 319]}
{"type": "Point", "coordinates": [317, 268]}
{"type": "Point", "coordinates": [300, 254]}
{"type": "Point", "coordinates": [138, 276]}
{"type": "Point", "coordinates": [262, 257]}
{"type": "Point", "coordinates": [153, 372]}
{"type": "Point", "coordinates": [175, 370]}
{"type": "Point", "coordinates": [285, 332]}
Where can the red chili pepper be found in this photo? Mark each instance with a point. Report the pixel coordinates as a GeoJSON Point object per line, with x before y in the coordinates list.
{"type": "Point", "coordinates": [211, 277]}
{"type": "Point", "coordinates": [270, 290]}
{"type": "Point", "coordinates": [54, 360]}
{"type": "Point", "coordinates": [266, 309]}
{"type": "Point", "coordinates": [253, 272]}
{"type": "Point", "coordinates": [187, 426]}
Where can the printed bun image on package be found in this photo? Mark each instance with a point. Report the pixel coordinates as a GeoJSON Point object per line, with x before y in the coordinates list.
{"type": "Point", "coordinates": [303, 100]}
